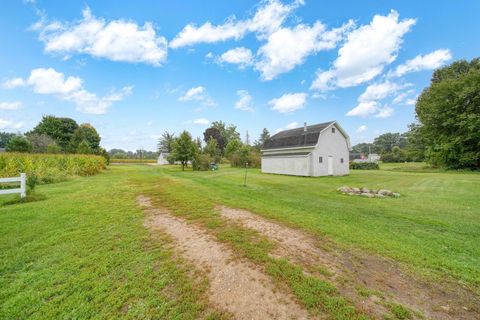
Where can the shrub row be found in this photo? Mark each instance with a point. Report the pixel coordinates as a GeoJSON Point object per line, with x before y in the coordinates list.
{"type": "Point", "coordinates": [49, 168]}
{"type": "Point", "coordinates": [364, 165]}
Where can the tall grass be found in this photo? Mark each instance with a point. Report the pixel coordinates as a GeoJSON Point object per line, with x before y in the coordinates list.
{"type": "Point", "coordinates": [49, 168]}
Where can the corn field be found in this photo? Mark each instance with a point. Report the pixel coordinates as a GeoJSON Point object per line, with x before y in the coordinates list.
{"type": "Point", "coordinates": [49, 168]}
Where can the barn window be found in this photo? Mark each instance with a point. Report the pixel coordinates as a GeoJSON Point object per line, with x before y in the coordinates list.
{"type": "Point", "coordinates": [333, 130]}
{"type": "Point", "coordinates": [341, 160]}
{"type": "Point", "coordinates": [320, 159]}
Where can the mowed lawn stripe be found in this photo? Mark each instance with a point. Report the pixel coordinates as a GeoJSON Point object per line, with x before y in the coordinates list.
{"type": "Point", "coordinates": [432, 228]}
{"type": "Point", "coordinates": [84, 253]}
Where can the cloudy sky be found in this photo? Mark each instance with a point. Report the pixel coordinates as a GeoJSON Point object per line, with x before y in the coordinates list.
{"type": "Point", "coordinates": [137, 69]}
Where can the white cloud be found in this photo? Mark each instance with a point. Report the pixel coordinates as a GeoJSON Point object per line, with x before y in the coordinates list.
{"type": "Point", "coordinates": [364, 109]}
{"type": "Point", "coordinates": [401, 98]}
{"type": "Point", "coordinates": [288, 47]}
{"type": "Point", "coordinates": [288, 102]}
{"type": "Point", "coordinates": [117, 40]}
{"type": "Point", "coordinates": [379, 91]}
{"type": "Point", "coordinates": [269, 17]}
{"type": "Point", "coordinates": [8, 124]}
{"type": "Point", "coordinates": [362, 129]}
{"type": "Point", "coordinates": [429, 61]}
{"type": "Point", "coordinates": [365, 53]}
{"type": "Point", "coordinates": [13, 83]}
{"type": "Point", "coordinates": [51, 82]}
{"type": "Point", "coordinates": [292, 125]}
{"type": "Point", "coordinates": [201, 121]}
{"type": "Point", "coordinates": [244, 102]}
{"type": "Point", "coordinates": [384, 112]}
{"type": "Point", "coordinates": [198, 93]}
{"type": "Point", "coordinates": [241, 56]}
{"type": "Point", "coordinates": [14, 105]}
{"type": "Point", "coordinates": [411, 102]}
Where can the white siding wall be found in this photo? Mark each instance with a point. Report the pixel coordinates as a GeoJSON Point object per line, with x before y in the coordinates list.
{"type": "Point", "coordinates": [331, 144]}
{"type": "Point", "coordinates": [291, 165]}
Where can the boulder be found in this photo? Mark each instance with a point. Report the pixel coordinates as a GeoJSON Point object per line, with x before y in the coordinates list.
{"type": "Point", "coordinates": [385, 192]}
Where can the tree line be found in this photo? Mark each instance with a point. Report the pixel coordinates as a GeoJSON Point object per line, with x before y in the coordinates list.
{"type": "Point", "coordinates": [55, 135]}
{"type": "Point", "coordinates": [447, 130]}
{"type": "Point", "coordinates": [221, 143]}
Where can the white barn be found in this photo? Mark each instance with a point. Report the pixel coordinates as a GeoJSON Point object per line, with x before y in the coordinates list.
{"type": "Point", "coordinates": [318, 150]}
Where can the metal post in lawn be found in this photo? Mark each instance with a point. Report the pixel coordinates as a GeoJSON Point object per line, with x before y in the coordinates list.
{"type": "Point", "coordinates": [245, 178]}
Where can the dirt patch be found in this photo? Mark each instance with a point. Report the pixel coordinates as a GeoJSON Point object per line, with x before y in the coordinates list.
{"type": "Point", "coordinates": [237, 287]}
{"type": "Point", "coordinates": [371, 282]}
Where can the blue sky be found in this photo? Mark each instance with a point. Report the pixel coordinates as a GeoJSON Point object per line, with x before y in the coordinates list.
{"type": "Point", "coordinates": [137, 69]}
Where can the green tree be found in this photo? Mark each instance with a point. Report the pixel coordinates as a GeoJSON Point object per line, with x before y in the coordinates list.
{"type": "Point", "coordinates": [228, 132]}
{"type": "Point", "coordinates": [232, 147]}
{"type": "Point", "coordinates": [416, 144]}
{"type": "Point", "coordinates": [85, 132]}
{"type": "Point", "coordinates": [84, 148]}
{"type": "Point", "coordinates": [19, 144]}
{"type": "Point", "coordinates": [214, 133]}
{"type": "Point", "coordinates": [184, 149]}
{"type": "Point", "coordinates": [165, 143]}
{"type": "Point", "coordinates": [365, 148]}
{"type": "Point", "coordinates": [264, 136]}
{"type": "Point", "coordinates": [385, 142]}
{"type": "Point", "coordinates": [213, 150]}
{"type": "Point", "coordinates": [60, 129]}
{"type": "Point", "coordinates": [5, 137]}
{"type": "Point", "coordinates": [449, 115]}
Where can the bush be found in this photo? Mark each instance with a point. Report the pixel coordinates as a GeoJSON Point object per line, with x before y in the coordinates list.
{"type": "Point", "coordinates": [364, 166]}
{"type": "Point", "coordinates": [246, 154]}
{"type": "Point", "coordinates": [202, 162]}
{"type": "Point", "coordinates": [19, 144]}
{"type": "Point", "coordinates": [49, 168]}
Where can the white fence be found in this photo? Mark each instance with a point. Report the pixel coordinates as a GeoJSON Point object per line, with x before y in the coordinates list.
{"type": "Point", "coordinates": [23, 185]}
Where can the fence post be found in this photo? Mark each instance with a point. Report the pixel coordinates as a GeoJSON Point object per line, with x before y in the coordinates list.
{"type": "Point", "coordinates": [23, 185]}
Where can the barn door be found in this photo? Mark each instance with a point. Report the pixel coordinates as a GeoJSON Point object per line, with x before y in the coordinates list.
{"type": "Point", "coordinates": [330, 165]}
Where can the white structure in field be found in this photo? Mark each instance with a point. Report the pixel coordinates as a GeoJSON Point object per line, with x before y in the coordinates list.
{"type": "Point", "coordinates": [162, 158]}
{"type": "Point", "coordinates": [317, 150]}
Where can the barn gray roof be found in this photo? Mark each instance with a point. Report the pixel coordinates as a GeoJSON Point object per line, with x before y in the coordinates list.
{"type": "Point", "coordinates": [296, 137]}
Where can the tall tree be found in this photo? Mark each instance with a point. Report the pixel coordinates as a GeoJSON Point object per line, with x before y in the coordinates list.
{"type": "Point", "coordinates": [212, 149]}
{"type": "Point", "coordinates": [228, 132]}
{"type": "Point", "coordinates": [5, 137]}
{"type": "Point", "coordinates": [385, 142]}
{"type": "Point", "coordinates": [60, 129]}
{"type": "Point", "coordinates": [214, 133]}
{"type": "Point", "coordinates": [184, 149]}
{"type": "Point", "coordinates": [165, 142]}
{"type": "Point", "coordinates": [264, 136]}
{"type": "Point", "coordinates": [449, 114]}
{"type": "Point", "coordinates": [85, 132]}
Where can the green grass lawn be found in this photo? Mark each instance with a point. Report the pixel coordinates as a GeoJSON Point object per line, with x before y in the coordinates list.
{"type": "Point", "coordinates": [83, 251]}
{"type": "Point", "coordinates": [433, 228]}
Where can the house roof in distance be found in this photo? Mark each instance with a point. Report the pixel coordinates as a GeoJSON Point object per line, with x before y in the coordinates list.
{"type": "Point", "coordinates": [297, 137]}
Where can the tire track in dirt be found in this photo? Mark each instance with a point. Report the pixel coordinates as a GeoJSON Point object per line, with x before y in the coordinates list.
{"type": "Point", "coordinates": [236, 286]}
{"type": "Point", "coordinates": [348, 271]}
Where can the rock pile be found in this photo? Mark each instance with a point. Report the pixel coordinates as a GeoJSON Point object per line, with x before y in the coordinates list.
{"type": "Point", "coordinates": [365, 192]}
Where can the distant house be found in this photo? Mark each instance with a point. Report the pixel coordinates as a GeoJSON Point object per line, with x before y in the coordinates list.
{"type": "Point", "coordinates": [162, 158]}
{"type": "Point", "coordinates": [317, 150]}
{"type": "Point", "coordinates": [372, 157]}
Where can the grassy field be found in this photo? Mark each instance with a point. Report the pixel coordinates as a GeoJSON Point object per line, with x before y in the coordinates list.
{"type": "Point", "coordinates": [83, 251]}
{"type": "Point", "coordinates": [432, 228]}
